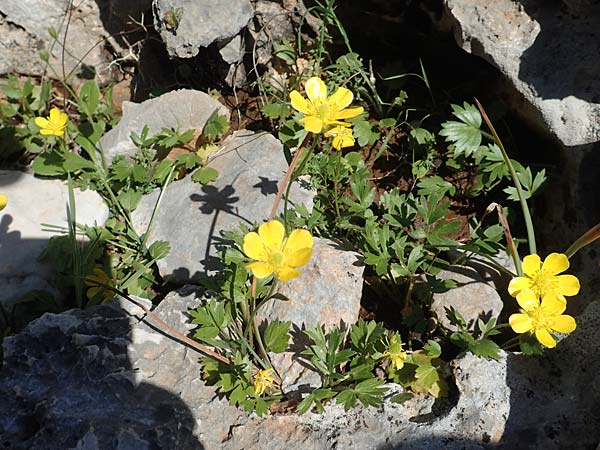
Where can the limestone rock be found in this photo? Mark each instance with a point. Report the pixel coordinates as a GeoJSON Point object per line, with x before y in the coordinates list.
{"type": "Point", "coordinates": [473, 298]}
{"type": "Point", "coordinates": [328, 293]}
{"type": "Point", "coordinates": [191, 216]}
{"type": "Point", "coordinates": [187, 25]}
{"type": "Point", "coordinates": [32, 202]}
{"type": "Point", "coordinates": [549, 58]}
{"type": "Point", "coordinates": [183, 109]}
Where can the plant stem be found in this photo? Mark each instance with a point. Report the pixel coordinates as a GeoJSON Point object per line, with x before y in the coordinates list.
{"type": "Point", "coordinates": [517, 183]}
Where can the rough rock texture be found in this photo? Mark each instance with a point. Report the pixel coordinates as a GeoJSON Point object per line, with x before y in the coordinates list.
{"type": "Point", "coordinates": [473, 298]}
{"type": "Point", "coordinates": [328, 293]}
{"type": "Point", "coordinates": [187, 25]}
{"type": "Point", "coordinates": [550, 58]}
{"type": "Point", "coordinates": [182, 110]}
{"type": "Point", "coordinates": [31, 202]}
{"type": "Point", "coordinates": [191, 216]}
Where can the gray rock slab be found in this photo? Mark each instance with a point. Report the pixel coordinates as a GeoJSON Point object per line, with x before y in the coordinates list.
{"type": "Point", "coordinates": [187, 25]}
{"type": "Point", "coordinates": [328, 293]}
{"type": "Point", "coordinates": [102, 378]}
{"type": "Point", "coordinates": [25, 23]}
{"type": "Point", "coordinates": [191, 216]}
{"type": "Point", "coordinates": [473, 297]}
{"type": "Point", "coordinates": [31, 203]}
{"type": "Point", "coordinates": [183, 109]}
{"type": "Point", "coordinates": [549, 58]}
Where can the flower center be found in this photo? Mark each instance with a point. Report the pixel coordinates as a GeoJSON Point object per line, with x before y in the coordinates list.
{"type": "Point", "coordinates": [276, 258]}
{"type": "Point", "coordinates": [323, 111]}
{"type": "Point", "coordinates": [542, 283]}
{"type": "Point", "coordinates": [539, 319]}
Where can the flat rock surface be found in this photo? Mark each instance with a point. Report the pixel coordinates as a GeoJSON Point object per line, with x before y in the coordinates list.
{"type": "Point", "coordinates": [181, 110]}
{"type": "Point", "coordinates": [187, 25]}
{"type": "Point", "coordinates": [191, 216]}
{"type": "Point", "coordinates": [550, 58]}
{"type": "Point", "coordinates": [31, 203]}
{"type": "Point", "coordinates": [101, 379]}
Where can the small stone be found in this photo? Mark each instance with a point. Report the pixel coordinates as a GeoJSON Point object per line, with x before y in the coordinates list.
{"type": "Point", "coordinates": [31, 203]}
{"type": "Point", "coordinates": [180, 110]}
{"type": "Point", "coordinates": [473, 298]}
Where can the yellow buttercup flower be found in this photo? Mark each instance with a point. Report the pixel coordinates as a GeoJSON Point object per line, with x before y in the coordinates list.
{"type": "Point", "coordinates": [54, 125]}
{"type": "Point", "coordinates": [97, 283]}
{"type": "Point", "coordinates": [395, 353]}
{"type": "Point", "coordinates": [342, 137]}
{"type": "Point", "coordinates": [543, 280]}
{"type": "Point", "coordinates": [262, 381]}
{"type": "Point", "coordinates": [276, 254]}
{"type": "Point", "coordinates": [320, 110]}
{"type": "Point", "coordinates": [3, 201]}
{"type": "Point", "coordinates": [541, 319]}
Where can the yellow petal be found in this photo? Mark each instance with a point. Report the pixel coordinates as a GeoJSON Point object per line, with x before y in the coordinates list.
{"type": "Point", "coordinates": [286, 273]}
{"type": "Point", "coordinates": [563, 324]}
{"type": "Point", "coordinates": [568, 285]}
{"type": "Point", "coordinates": [46, 131]}
{"type": "Point", "coordinates": [55, 115]}
{"type": "Point", "coordinates": [531, 265]}
{"type": "Point", "coordinates": [545, 338]}
{"type": "Point", "coordinates": [312, 124]}
{"type": "Point", "coordinates": [299, 257]}
{"type": "Point", "coordinates": [348, 113]}
{"type": "Point", "coordinates": [63, 119]}
{"type": "Point", "coordinates": [298, 239]}
{"type": "Point", "coordinates": [253, 247]}
{"type": "Point", "coordinates": [552, 305]}
{"type": "Point", "coordinates": [518, 284]}
{"type": "Point", "coordinates": [316, 90]}
{"type": "Point", "coordinates": [341, 98]}
{"type": "Point", "coordinates": [342, 141]}
{"type": "Point", "coordinates": [520, 323]}
{"type": "Point", "coordinates": [260, 269]}
{"type": "Point", "coordinates": [41, 122]}
{"type": "Point", "coordinates": [3, 201]}
{"type": "Point", "coordinates": [555, 263]}
{"type": "Point", "coordinates": [272, 234]}
{"type": "Point", "coordinates": [299, 103]}
{"type": "Point", "coordinates": [528, 300]}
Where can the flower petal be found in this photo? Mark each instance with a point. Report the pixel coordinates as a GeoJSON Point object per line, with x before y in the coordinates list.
{"type": "Point", "coordinates": [316, 90]}
{"type": "Point", "coordinates": [563, 324]}
{"type": "Point", "coordinates": [286, 273]}
{"type": "Point", "coordinates": [518, 284]}
{"type": "Point", "coordinates": [272, 234]}
{"type": "Point", "coordinates": [298, 239]}
{"type": "Point", "coordinates": [254, 247]}
{"type": "Point", "coordinates": [531, 265]}
{"type": "Point", "coordinates": [555, 263]}
{"type": "Point", "coordinates": [528, 300]}
{"type": "Point", "coordinates": [63, 119]}
{"type": "Point", "coordinates": [3, 201]}
{"type": "Point", "coordinates": [260, 269]}
{"type": "Point", "coordinates": [520, 323]}
{"type": "Point", "coordinates": [341, 98]}
{"type": "Point", "coordinates": [312, 124]}
{"type": "Point", "coordinates": [348, 112]}
{"type": "Point", "coordinates": [299, 257]}
{"type": "Point", "coordinates": [46, 131]}
{"type": "Point", "coordinates": [41, 122]}
{"type": "Point", "coordinates": [545, 338]}
{"type": "Point", "coordinates": [299, 103]}
{"type": "Point", "coordinates": [552, 305]}
{"type": "Point", "coordinates": [568, 285]}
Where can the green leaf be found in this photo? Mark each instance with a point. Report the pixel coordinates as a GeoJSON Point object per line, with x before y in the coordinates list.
{"type": "Point", "coordinates": [427, 376]}
{"type": "Point", "coordinates": [74, 162]}
{"type": "Point", "coordinates": [205, 175]}
{"type": "Point", "coordinates": [402, 397]}
{"type": "Point", "coordinates": [89, 98]}
{"type": "Point", "coordinates": [276, 110]}
{"type": "Point", "coordinates": [432, 349]}
{"type": "Point", "coordinates": [277, 336]}
{"type": "Point", "coordinates": [530, 346]}
{"type": "Point", "coordinates": [364, 132]}
{"type": "Point", "coordinates": [49, 164]}
{"type": "Point", "coordinates": [466, 134]}
{"type": "Point", "coordinates": [129, 199]}
{"type": "Point", "coordinates": [435, 184]}
{"type": "Point", "coordinates": [485, 348]}
{"type": "Point", "coordinates": [159, 249]}
{"type": "Point", "coordinates": [216, 125]}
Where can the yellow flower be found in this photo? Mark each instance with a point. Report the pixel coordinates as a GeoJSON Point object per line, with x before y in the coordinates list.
{"type": "Point", "coordinates": [322, 111]}
{"type": "Point", "coordinates": [53, 125]}
{"type": "Point", "coordinates": [395, 353]}
{"type": "Point", "coordinates": [262, 381]}
{"type": "Point", "coordinates": [3, 201]}
{"type": "Point", "coordinates": [275, 254]}
{"type": "Point", "coordinates": [97, 283]}
{"type": "Point", "coordinates": [541, 318]}
{"type": "Point", "coordinates": [543, 280]}
{"type": "Point", "coordinates": [342, 137]}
